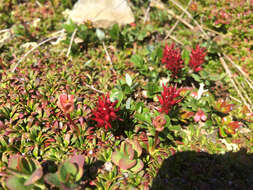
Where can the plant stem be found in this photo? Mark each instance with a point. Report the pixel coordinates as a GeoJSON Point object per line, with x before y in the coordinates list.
{"type": "Point", "coordinates": [72, 123]}
{"type": "Point", "coordinates": [156, 139]}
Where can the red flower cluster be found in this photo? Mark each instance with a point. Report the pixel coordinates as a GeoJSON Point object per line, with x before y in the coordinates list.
{"type": "Point", "coordinates": [197, 58]}
{"type": "Point", "coordinates": [105, 112]}
{"type": "Point", "coordinates": [169, 98]}
{"type": "Point", "coordinates": [172, 59]}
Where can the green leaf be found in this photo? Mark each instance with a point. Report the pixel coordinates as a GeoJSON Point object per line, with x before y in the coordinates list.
{"type": "Point", "coordinates": [138, 166]}
{"type": "Point", "coordinates": [125, 163]}
{"type": "Point", "coordinates": [116, 156]}
{"type": "Point", "coordinates": [128, 151]}
{"type": "Point", "coordinates": [139, 106]}
{"type": "Point", "coordinates": [222, 132]}
{"type": "Point", "coordinates": [175, 127]}
{"type": "Point", "coordinates": [144, 145]}
{"type": "Point", "coordinates": [143, 117]}
{"type": "Point", "coordinates": [115, 32]}
{"type": "Point", "coordinates": [16, 183]}
{"type": "Point", "coordinates": [52, 179]}
{"type": "Point", "coordinates": [116, 94]}
{"type": "Point", "coordinates": [152, 89]}
{"type": "Point", "coordinates": [37, 174]}
{"type": "Point", "coordinates": [66, 170]}
{"type": "Point", "coordinates": [25, 166]}
{"type": "Point", "coordinates": [14, 162]}
{"type": "Point", "coordinates": [100, 34]}
{"type": "Point", "coordinates": [170, 137]}
{"type": "Point", "coordinates": [196, 77]}
{"type": "Point", "coordinates": [186, 56]}
{"type": "Point", "coordinates": [36, 151]}
{"type": "Point", "coordinates": [128, 80]}
{"type": "Point", "coordinates": [4, 144]}
{"type": "Point", "coordinates": [214, 77]}
{"type": "Point", "coordinates": [137, 60]}
{"type": "Point", "coordinates": [136, 146]}
{"type": "Point", "coordinates": [128, 103]}
{"type": "Point", "coordinates": [69, 27]}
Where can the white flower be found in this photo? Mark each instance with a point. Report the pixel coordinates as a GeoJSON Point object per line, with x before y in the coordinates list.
{"type": "Point", "coordinates": [164, 80]}
{"type": "Point", "coordinates": [108, 166]}
{"type": "Point", "coordinates": [201, 91]}
{"type": "Point", "coordinates": [230, 146]}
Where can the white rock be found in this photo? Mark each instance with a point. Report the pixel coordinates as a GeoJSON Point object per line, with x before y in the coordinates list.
{"type": "Point", "coordinates": [103, 13]}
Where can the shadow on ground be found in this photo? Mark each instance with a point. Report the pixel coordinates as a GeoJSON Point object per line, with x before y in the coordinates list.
{"type": "Point", "coordinates": [202, 171]}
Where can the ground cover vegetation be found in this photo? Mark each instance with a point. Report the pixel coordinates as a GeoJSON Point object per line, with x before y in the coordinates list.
{"type": "Point", "coordinates": [162, 103]}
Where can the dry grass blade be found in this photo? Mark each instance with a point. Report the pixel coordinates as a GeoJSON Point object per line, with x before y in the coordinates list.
{"type": "Point", "coordinates": [190, 16]}
{"type": "Point", "coordinates": [225, 66]}
{"type": "Point", "coordinates": [175, 25]}
{"type": "Point", "coordinates": [159, 5]}
{"type": "Point", "coordinates": [146, 14]}
{"type": "Point", "coordinates": [180, 19]}
{"type": "Point", "coordinates": [4, 30]}
{"type": "Point", "coordinates": [250, 83]}
{"type": "Point", "coordinates": [243, 91]}
{"type": "Point", "coordinates": [108, 57]}
{"type": "Point", "coordinates": [31, 50]}
{"type": "Point", "coordinates": [94, 89]}
{"type": "Point", "coordinates": [235, 99]}
{"type": "Point", "coordinates": [175, 39]}
{"type": "Point", "coordinates": [71, 41]}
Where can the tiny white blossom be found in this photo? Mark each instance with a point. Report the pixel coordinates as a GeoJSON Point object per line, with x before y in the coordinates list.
{"type": "Point", "coordinates": [230, 146]}
{"type": "Point", "coordinates": [125, 174]}
{"type": "Point", "coordinates": [108, 166]}
{"type": "Point", "coordinates": [164, 80]}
